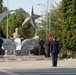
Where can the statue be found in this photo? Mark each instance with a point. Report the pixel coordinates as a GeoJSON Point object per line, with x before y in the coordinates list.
{"type": "Point", "coordinates": [17, 39]}
{"type": "Point", "coordinates": [30, 18]}
{"type": "Point", "coordinates": [19, 47]}
{"type": "Point", "coordinates": [16, 34]}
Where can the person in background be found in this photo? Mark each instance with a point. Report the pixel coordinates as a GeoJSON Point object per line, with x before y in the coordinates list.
{"type": "Point", "coordinates": [48, 45]}
{"type": "Point", "coordinates": [54, 49]}
{"type": "Point", "coordinates": [41, 43]}
{"type": "Point", "coordinates": [1, 41]}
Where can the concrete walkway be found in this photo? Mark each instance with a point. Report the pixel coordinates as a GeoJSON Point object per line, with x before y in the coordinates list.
{"type": "Point", "coordinates": [37, 64]}
{"type": "Point", "coordinates": [38, 67]}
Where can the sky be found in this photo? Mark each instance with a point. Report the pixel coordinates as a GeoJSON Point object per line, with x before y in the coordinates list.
{"type": "Point", "coordinates": [27, 4]}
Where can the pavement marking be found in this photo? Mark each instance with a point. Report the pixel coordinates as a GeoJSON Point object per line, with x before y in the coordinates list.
{"type": "Point", "coordinates": [10, 73]}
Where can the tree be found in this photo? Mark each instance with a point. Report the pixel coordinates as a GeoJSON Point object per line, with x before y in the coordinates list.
{"type": "Point", "coordinates": [2, 8]}
{"type": "Point", "coordinates": [63, 24]}
{"type": "Point", "coordinates": [55, 22]}
{"type": "Point", "coordinates": [42, 29]}
{"type": "Point", "coordinates": [27, 31]}
{"type": "Point", "coordinates": [1, 5]}
{"type": "Point", "coordinates": [15, 20]}
{"type": "Point", "coordinates": [68, 13]}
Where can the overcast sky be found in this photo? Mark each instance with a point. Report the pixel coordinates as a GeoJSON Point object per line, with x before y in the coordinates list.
{"type": "Point", "coordinates": [27, 4]}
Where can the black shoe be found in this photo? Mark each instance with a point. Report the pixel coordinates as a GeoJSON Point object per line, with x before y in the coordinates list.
{"type": "Point", "coordinates": [54, 66]}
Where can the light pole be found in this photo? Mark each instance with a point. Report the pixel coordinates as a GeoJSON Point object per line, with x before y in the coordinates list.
{"type": "Point", "coordinates": [7, 20]}
{"type": "Point", "coordinates": [50, 8]}
{"type": "Point", "coordinates": [42, 5]}
{"type": "Point", "coordinates": [47, 26]}
{"type": "Point", "coordinates": [47, 18]}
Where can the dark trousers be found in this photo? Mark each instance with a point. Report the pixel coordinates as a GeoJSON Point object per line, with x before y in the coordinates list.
{"type": "Point", "coordinates": [41, 50]}
{"type": "Point", "coordinates": [54, 59]}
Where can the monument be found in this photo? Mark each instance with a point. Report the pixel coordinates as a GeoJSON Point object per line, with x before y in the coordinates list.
{"type": "Point", "coordinates": [29, 44]}
{"type": "Point", "coordinates": [24, 47]}
{"type": "Point", "coordinates": [9, 47]}
{"type": "Point", "coordinates": [17, 47]}
{"type": "Point", "coordinates": [2, 15]}
{"type": "Point", "coordinates": [16, 34]}
{"type": "Point", "coordinates": [30, 18]}
{"type": "Point", "coordinates": [17, 41]}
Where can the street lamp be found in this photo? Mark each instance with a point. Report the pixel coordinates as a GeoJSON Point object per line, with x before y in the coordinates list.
{"type": "Point", "coordinates": [47, 25]}
{"type": "Point", "coordinates": [7, 21]}
{"type": "Point", "coordinates": [42, 11]}
{"type": "Point", "coordinates": [42, 5]}
{"type": "Point", "coordinates": [47, 19]}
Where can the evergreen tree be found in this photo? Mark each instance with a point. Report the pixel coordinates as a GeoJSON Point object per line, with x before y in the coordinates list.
{"type": "Point", "coordinates": [68, 26]}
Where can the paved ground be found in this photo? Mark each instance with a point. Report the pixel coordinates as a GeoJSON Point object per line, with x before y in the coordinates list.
{"type": "Point", "coordinates": [41, 67]}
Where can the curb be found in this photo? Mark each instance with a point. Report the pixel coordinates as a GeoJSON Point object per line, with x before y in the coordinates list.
{"type": "Point", "coordinates": [23, 58]}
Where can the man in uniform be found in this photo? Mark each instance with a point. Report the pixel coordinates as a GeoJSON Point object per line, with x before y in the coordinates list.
{"type": "Point", "coordinates": [41, 43]}
{"type": "Point", "coordinates": [54, 48]}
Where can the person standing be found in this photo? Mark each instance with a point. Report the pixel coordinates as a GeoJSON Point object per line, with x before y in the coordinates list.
{"type": "Point", "coordinates": [54, 49]}
{"type": "Point", "coordinates": [41, 43]}
{"type": "Point", "coordinates": [1, 50]}
{"type": "Point", "coordinates": [48, 44]}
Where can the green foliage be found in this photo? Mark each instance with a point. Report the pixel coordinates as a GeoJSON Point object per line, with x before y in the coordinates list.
{"type": "Point", "coordinates": [55, 22]}
{"type": "Point", "coordinates": [68, 13]}
{"type": "Point", "coordinates": [42, 34]}
{"type": "Point", "coordinates": [42, 30]}
{"type": "Point", "coordinates": [15, 20]}
{"type": "Point", "coordinates": [2, 8]}
{"type": "Point", "coordinates": [63, 25]}
{"type": "Point", "coordinates": [27, 32]}
{"type": "Point", "coordinates": [1, 5]}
